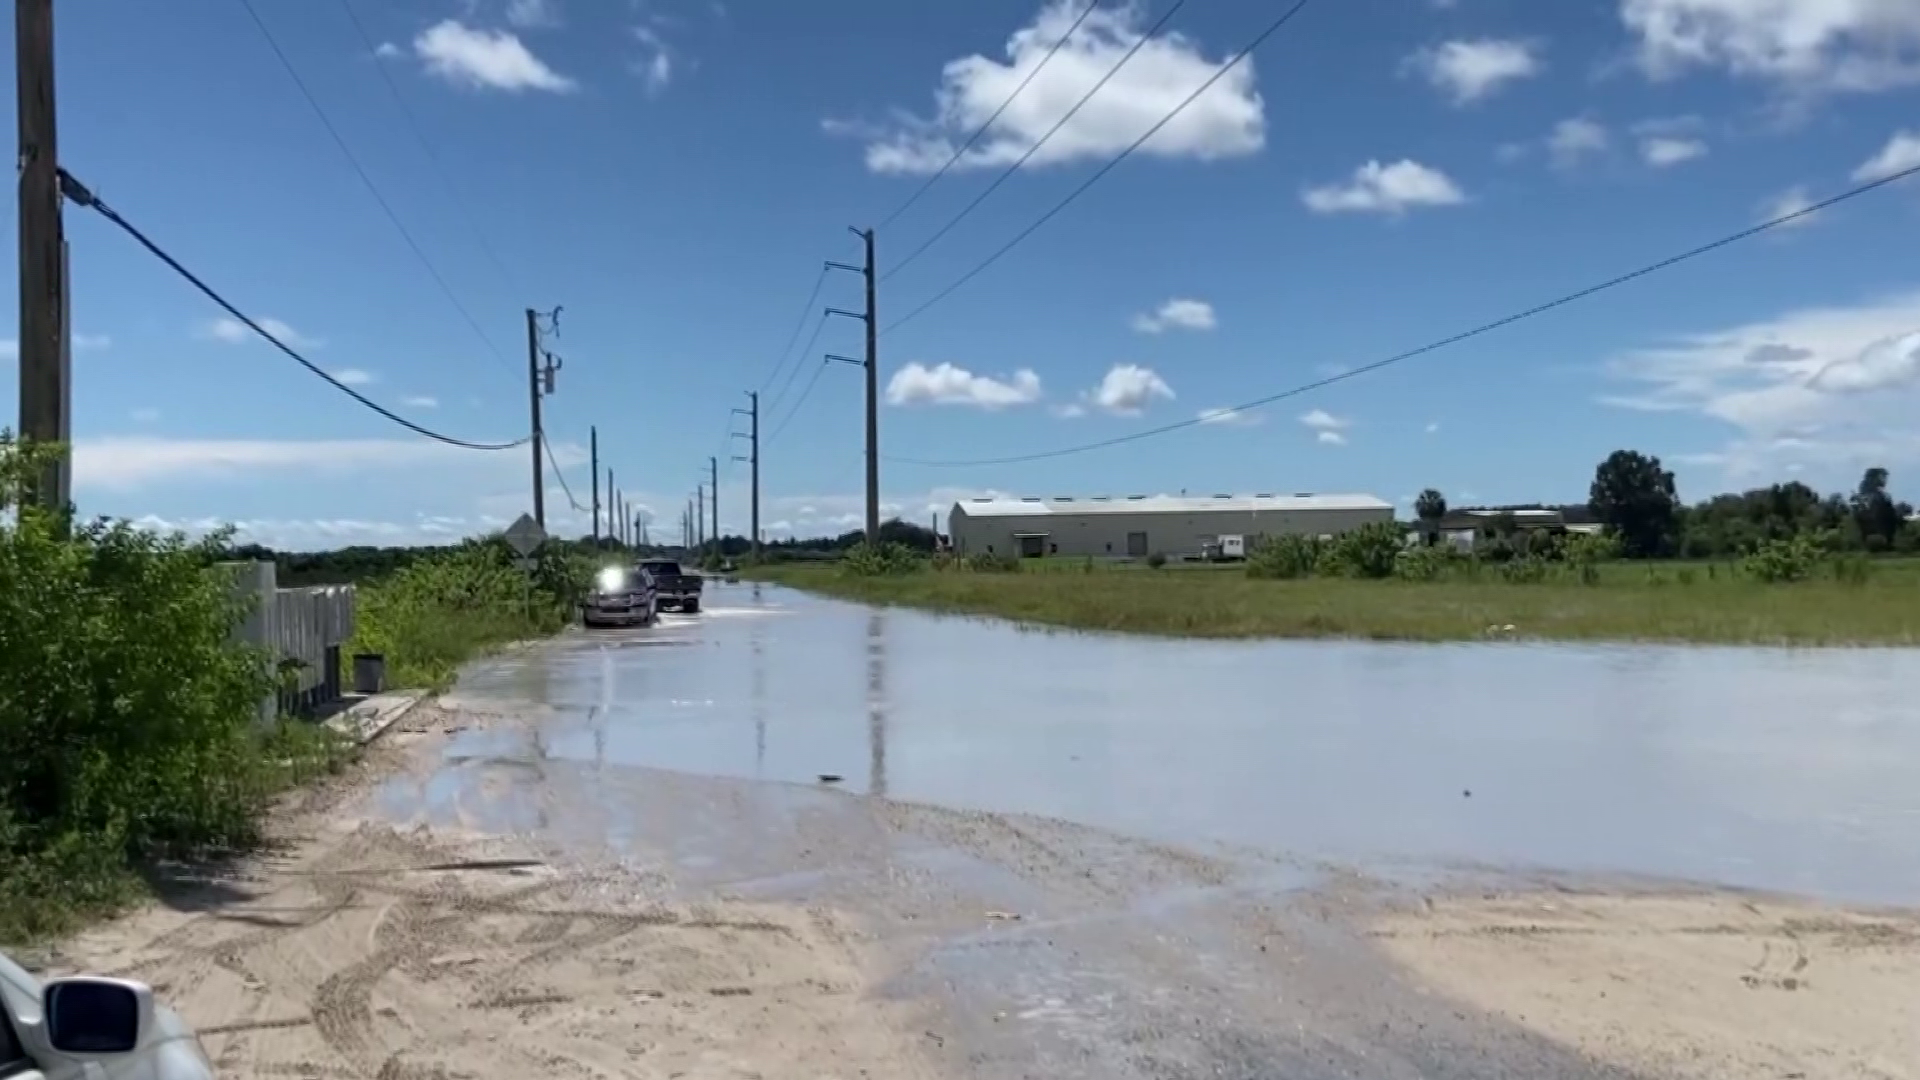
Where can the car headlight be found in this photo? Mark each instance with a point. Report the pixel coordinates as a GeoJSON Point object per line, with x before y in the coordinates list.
{"type": "Point", "coordinates": [612, 579]}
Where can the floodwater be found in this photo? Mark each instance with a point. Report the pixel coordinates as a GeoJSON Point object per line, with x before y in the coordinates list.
{"type": "Point", "coordinates": [1773, 769]}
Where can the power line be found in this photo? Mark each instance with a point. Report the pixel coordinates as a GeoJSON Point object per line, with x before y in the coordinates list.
{"type": "Point", "coordinates": [797, 402]}
{"type": "Point", "coordinates": [780, 359]}
{"type": "Point", "coordinates": [799, 365]}
{"type": "Point", "coordinates": [79, 195]}
{"type": "Point", "coordinates": [372, 188]}
{"type": "Point", "coordinates": [1271, 29]}
{"type": "Point", "coordinates": [1054, 130]}
{"type": "Point", "coordinates": [982, 129]}
{"type": "Point", "coordinates": [560, 476]}
{"type": "Point", "coordinates": [426, 146]}
{"type": "Point", "coordinates": [1484, 328]}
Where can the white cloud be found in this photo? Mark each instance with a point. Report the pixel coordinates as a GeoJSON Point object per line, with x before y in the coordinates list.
{"type": "Point", "coordinates": [1331, 438]}
{"type": "Point", "coordinates": [1800, 45]}
{"type": "Point", "coordinates": [486, 59]}
{"type": "Point", "coordinates": [1661, 151]}
{"type": "Point", "coordinates": [354, 376]}
{"type": "Point", "coordinates": [1469, 71]}
{"type": "Point", "coordinates": [387, 50]}
{"type": "Point", "coordinates": [1177, 314]}
{"type": "Point", "coordinates": [1791, 201]}
{"type": "Point", "coordinates": [1575, 138]}
{"type": "Point", "coordinates": [1229, 417]}
{"type": "Point", "coordinates": [1228, 120]}
{"type": "Point", "coordinates": [533, 13]}
{"type": "Point", "coordinates": [1385, 189]}
{"type": "Point", "coordinates": [1433, 426]}
{"type": "Point", "coordinates": [420, 401]}
{"type": "Point", "coordinates": [233, 331]}
{"type": "Point", "coordinates": [1821, 386]}
{"type": "Point", "coordinates": [946, 384]}
{"type": "Point", "coordinates": [656, 70]}
{"type": "Point", "coordinates": [1127, 389]}
{"type": "Point", "coordinates": [1901, 153]}
{"type": "Point", "coordinates": [1322, 420]}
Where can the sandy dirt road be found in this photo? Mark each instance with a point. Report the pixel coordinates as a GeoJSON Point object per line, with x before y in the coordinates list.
{"type": "Point", "coordinates": [744, 929]}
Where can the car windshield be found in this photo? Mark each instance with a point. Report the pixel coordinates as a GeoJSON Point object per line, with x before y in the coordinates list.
{"type": "Point", "coordinates": [661, 567]}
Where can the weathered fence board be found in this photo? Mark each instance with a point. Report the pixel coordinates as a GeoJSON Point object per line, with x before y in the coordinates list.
{"type": "Point", "coordinates": [302, 629]}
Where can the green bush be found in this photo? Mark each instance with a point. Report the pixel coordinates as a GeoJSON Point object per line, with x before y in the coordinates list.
{"type": "Point", "coordinates": [435, 614]}
{"type": "Point", "coordinates": [880, 560]}
{"type": "Point", "coordinates": [1425, 563]}
{"type": "Point", "coordinates": [1283, 557]}
{"type": "Point", "coordinates": [127, 713]}
{"type": "Point", "coordinates": [1780, 561]}
{"type": "Point", "coordinates": [1525, 570]}
{"type": "Point", "coordinates": [1369, 551]}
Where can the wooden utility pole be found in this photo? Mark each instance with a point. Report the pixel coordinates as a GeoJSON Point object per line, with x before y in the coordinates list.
{"type": "Point", "coordinates": [46, 407]}
{"type": "Point", "coordinates": [752, 413]}
{"type": "Point", "coordinates": [533, 396]}
{"type": "Point", "coordinates": [713, 474]}
{"type": "Point", "coordinates": [872, 365]}
{"type": "Point", "coordinates": [593, 470]}
{"type": "Point", "coordinates": [700, 516]}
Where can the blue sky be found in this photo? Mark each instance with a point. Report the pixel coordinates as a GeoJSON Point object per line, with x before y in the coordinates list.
{"type": "Point", "coordinates": [673, 172]}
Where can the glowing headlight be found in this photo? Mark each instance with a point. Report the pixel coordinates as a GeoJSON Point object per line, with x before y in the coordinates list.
{"type": "Point", "coordinates": [612, 579]}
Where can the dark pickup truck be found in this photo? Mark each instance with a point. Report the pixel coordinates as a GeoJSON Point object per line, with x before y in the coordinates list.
{"type": "Point", "coordinates": [675, 588]}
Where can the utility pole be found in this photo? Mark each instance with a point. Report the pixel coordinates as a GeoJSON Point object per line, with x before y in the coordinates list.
{"type": "Point", "coordinates": [593, 470]}
{"type": "Point", "coordinates": [541, 368]}
{"type": "Point", "coordinates": [752, 413]}
{"type": "Point", "coordinates": [46, 401]}
{"type": "Point", "coordinates": [713, 473]}
{"type": "Point", "coordinates": [700, 517]}
{"type": "Point", "coordinates": [872, 366]}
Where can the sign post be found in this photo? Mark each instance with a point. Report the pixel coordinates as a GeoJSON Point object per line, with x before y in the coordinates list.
{"type": "Point", "coordinates": [525, 537]}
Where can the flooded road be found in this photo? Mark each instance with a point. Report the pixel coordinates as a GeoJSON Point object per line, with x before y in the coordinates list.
{"type": "Point", "coordinates": [1772, 769]}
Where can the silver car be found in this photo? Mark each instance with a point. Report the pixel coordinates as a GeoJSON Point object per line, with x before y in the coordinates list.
{"type": "Point", "coordinates": [621, 596]}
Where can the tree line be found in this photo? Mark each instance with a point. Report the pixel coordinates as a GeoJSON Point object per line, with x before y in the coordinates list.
{"type": "Point", "coordinates": [1634, 497]}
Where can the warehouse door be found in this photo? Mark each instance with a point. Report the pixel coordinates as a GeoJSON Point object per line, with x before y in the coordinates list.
{"type": "Point", "coordinates": [1032, 545]}
{"type": "Point", "coordinates": [1137, 545]}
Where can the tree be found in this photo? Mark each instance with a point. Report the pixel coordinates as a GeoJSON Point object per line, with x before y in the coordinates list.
{"type": "Point", "coordinates": [1431, 505]}
{"type": "Point", "coordinates": [1634, 498]}
{"type": "Point", "coordinates": [1875, 512]}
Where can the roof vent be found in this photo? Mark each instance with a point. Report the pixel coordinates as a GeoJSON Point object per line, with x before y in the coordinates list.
{"type": "Point", "coordinates": [1223, 496]}
{"type": "Point", "coordinates": [1264, 495]}
{"type": "Point", "coordinates": [1030, 498]}
{"type": "Point", "coordinates": [1063, 498]}
{"type": "Point", "coordinates": [983, 498]}
{"type": "Point", "coordinates": [1303, 494]}
{"type": "Point", "coordinates": [1103, 498]}
{"type": "Point", "coordinates": [1136, 496]}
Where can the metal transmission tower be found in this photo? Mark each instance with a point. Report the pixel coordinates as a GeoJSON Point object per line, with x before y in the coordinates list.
{"type": "Point", "coordinates": [871, 364]}
{"type": "Point", "coordinates": [752, 435]}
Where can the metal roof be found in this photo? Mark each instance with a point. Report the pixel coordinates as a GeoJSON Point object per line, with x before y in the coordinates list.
{"type": "Point", "coordinates": [1164, 504]}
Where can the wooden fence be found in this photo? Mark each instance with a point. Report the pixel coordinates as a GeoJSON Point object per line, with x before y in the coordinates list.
{"type": "Point", "coordinates": [302, 629]}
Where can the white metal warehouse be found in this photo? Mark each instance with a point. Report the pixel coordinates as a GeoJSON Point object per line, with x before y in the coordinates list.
{"type": "Point", "coordinates": [1139, 525]}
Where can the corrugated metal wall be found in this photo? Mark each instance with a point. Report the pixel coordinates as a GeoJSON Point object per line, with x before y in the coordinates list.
{"type": "Point", "coordinates": [1105, 534]}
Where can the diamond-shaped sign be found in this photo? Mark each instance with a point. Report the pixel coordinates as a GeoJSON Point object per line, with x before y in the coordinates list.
{"type": "Point", "coordinates": [525, 535]}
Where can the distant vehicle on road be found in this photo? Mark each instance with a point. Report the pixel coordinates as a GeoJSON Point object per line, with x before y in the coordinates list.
{"type": "Point", "coordinates": [621, 596]}
{"type": "Point", "coordinates": [89, 1027]}
{"type": "Point", "coordinates": [677, 589]}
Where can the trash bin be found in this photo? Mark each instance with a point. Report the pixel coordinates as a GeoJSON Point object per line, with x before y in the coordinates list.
{"type": "Point", "coordinates": [369, 673]}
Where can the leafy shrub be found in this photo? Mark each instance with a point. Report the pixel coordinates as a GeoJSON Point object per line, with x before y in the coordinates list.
{"type": "Point", "coordinates": [880, 560]}
{"type": "Point", "coordinates": [1283, 557]}
{"type": "Point", "coordinates": [1425, 563]}
{"type": "Point", "coordinates": [1157, 560]}
{"type": "Point", "coordinates": [1525, 570]}
{"type": "Point", "coordinates": [988, 562]}
{"type": "Point", "coordinates": [1369, 551]}
{"type": "Point", "coordinates": [1780, 561]}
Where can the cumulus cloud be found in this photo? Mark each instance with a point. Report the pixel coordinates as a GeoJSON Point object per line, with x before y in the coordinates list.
{"type": "Point", "coordinates": [485, 59]}
{"type": "Point", "coordinates": [533, 13]}
{"type": "Point", "coordinates": [1324, 422]}
{"type": "Point", "coordinates": [1127, 390]}
{"type": "Point", "coordinates": [1228, 120]}
{"type": "Point", "coordinates": [1176, 314]}
{"type": "Point", "coordinates": [656, 66]}
{"type": "Point", "coordinates": [1470, 70]}
{"type": "Point", "coordinates": [420, 401]}
{"type": "Point", "coordinates": [948, 384]}
{"type": "Point", "coordinates": [354, 376]}
{"type": "Point", "coordinates": [233, 331]}
{"type": "Point", "coordinates": [1661, 151]}
{"type": "Point", "coordinates": [1331, 438]}
{"type": "Point", "coordinates": [1791, 201]}
{"type": "Point", "coordinates": [1575, 138]}
{"type": "Point", "coordinates": [1385, 189]}
{"type": "Point", "coordinates": [1827, 386]}
{"type": "Point", "coordinates": [1799, 45]}
{"type": "Point", "coordinates": [1229, 417]}
{"type": "Point", "coordinates": [1901, 153]}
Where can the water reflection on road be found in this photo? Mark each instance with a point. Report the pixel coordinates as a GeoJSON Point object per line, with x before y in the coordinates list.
{"type": "Point", "coordinates": [1764, 768]}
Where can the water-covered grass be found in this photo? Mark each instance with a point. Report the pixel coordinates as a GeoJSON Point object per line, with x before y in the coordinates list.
{"type": "Point", "coordinates": [1674, 602]}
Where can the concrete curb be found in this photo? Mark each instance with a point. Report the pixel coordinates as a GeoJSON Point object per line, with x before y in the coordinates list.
{"type": "Point", "coordinates": [365, 721]}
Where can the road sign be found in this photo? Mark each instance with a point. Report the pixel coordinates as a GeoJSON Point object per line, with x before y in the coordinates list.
{"type": "Point", "coordinates": [525, 536]}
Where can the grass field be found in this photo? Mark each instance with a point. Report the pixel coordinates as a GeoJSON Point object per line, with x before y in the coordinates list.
{"type": "Point", "coordinates": [1673, 602]}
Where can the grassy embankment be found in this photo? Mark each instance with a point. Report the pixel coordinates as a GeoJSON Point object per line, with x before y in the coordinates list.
{"type": "Point", "coordinates": [1838, 602]}
{"type": "Point", "coordinates": [128, 713]}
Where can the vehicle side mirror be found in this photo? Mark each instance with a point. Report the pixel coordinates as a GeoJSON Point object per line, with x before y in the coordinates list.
{"type": "Point", "coordinates": [93, 1015]}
